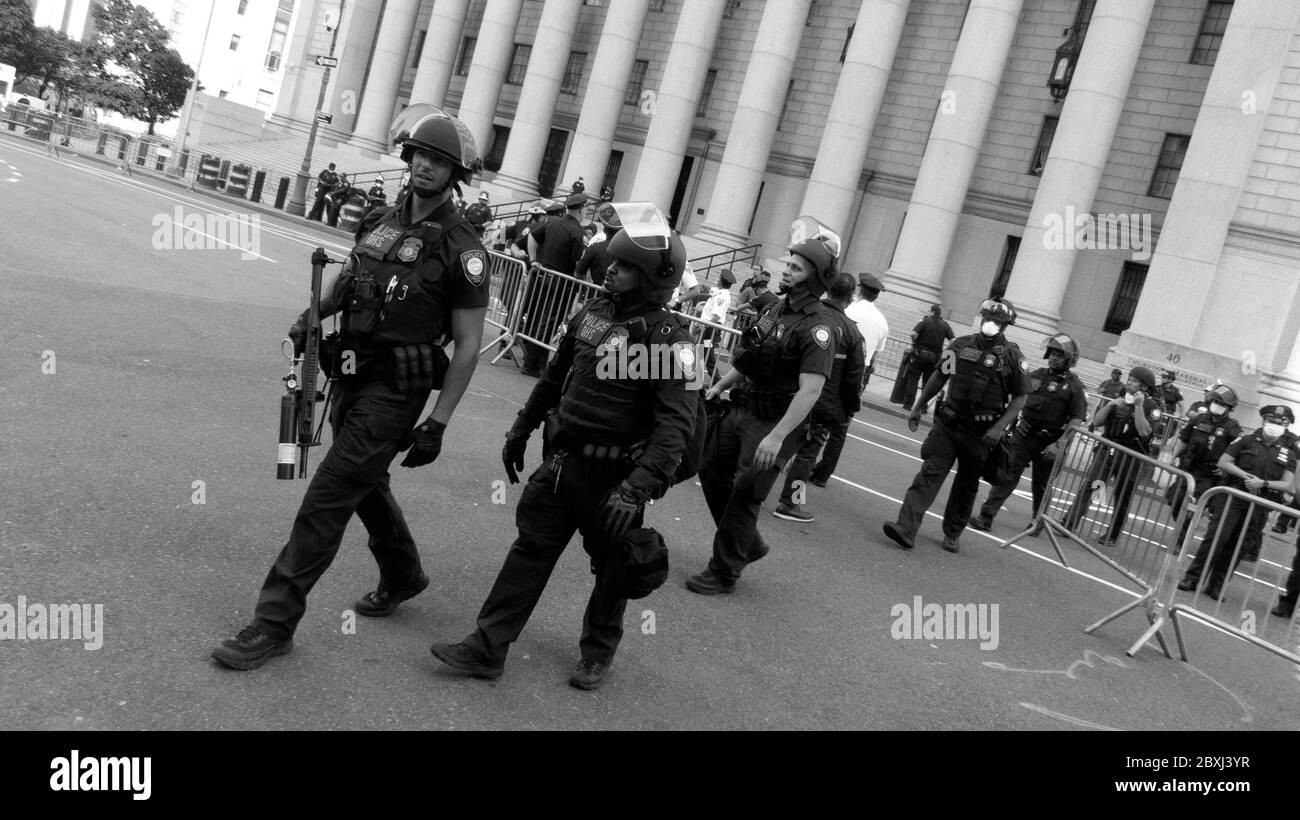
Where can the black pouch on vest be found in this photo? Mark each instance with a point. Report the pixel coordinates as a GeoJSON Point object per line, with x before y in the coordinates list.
{"type": "Point", "coordinates": [361, 315]}
{"type": "Point", "coordinates": [418, 367]}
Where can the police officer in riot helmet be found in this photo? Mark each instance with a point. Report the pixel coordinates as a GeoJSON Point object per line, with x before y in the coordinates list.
{"type": "Point", "coordinates": [613, 438]}
{"type": "Point", "coordinates": [778, 375]}
{"type": "Point", "coordinates": [1057, 400]}
{"type": "Point", "coordinates": [986, 381]}
{"type": "Point", "coordinates": [416, 279]}
{"type": "Point", "coordinates": [1200, 444]}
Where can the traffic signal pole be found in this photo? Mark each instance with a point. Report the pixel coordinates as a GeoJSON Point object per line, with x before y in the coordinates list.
{"type": "Point", "coordinates": [297, 205]}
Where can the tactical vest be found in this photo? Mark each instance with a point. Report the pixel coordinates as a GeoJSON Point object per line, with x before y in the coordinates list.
{"type": "Point", "coordinates": [981, 381]}
{"type": "Point", "coordinates": [1047, 406]}
{"type": "Point", "coordinates": [599, 402]}
{"type": "Point", "coordinates": [1207, 439]}
{"type": "Point", "coordinates": [1266, 461]}
{"type": "Point", "coordinates": [1121, 429]}
{"type": "Point", "coordinates": [771, 356]}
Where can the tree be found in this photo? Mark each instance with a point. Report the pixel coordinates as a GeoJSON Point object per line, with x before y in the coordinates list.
{"type": "Point", "coordinates": [165, 80]}
{"type": "Point", "coordinates": [126, 32]}
{"type": "Point", "coordinates": [16, 30]}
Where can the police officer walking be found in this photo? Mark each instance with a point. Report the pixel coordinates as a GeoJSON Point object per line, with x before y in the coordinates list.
{"type": "Point", "coordinates": [417, 276]}
{"type": "Point", "coordinates": [556, 245]}
{"type": "Point", "coordinates": [928, 338]}
{"type": "Point", "coordinates": [1262, 463]}
{"type": "Point", "coordinates": [1201, 442]}
{"type": "Point", "coordinates": [986, 387]}
{"type": "Point", "coordinates": [840, 399]}
{"type": "Point", "coordinates": [613, 441]}
{"type": "Point", "coordinates": [1056, 400]}
{"type": "Point", "coordinates": [1129, 421]}
{"type": "Point", "coordinates": [778, 374]}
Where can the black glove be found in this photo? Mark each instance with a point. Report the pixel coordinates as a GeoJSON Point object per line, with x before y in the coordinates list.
{"type": "Point", "coordinates": [427, 441]}
{"type": "Point", "coordinates": [298, 334]}
{"type": "Point", "coordinates": [621, 506]}
{"type": "Point", "coordinates": [512, 455]}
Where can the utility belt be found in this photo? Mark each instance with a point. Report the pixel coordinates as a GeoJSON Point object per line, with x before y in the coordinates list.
{"type": "Point", "coordinates": [1037, 431]}
{"type": "Point", "coordinates": [763, 404]}
{"type": "Point", "coordinates": [596, 462]}
{"type": "Point", "coordinates": [979, 421]}
{"type": "Point", "coordinates": [406, 369]}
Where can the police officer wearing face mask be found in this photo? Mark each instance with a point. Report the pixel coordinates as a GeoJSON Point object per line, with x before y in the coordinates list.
{"type": "Point", "coordinates": [614, 438]}
{"type": "Point", "coordinates": [1128, 421]}
{"type": "Point", "coordinates": [1201, 443]}
{"type": "Point", "coordinates": [779, 372]}
{"type": "Point", "coordinates": [987, 382]}
{"type": "Point", "coordinates": [416, 278]}
{"type": "Point", "coordinates": [1261, 463]}
{"type": "Point", "coordinates": [1057, 399]}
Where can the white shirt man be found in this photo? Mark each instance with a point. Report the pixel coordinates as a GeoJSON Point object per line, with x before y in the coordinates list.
{"type": "Point", "coordinates": [870, 321]}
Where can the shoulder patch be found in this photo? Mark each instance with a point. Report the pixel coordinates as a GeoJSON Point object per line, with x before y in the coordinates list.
{"type": "Point", "coordinates": [474, 264]}
{"type": "Point", "coordinates": [821, 334]}
{"type": "Point", "coordinates": [1024, 366]}
{"type": "Point", "coordinates": [684, 354]}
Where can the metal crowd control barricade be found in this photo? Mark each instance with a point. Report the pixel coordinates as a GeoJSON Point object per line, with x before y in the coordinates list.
{"type": "Point", "coordinates": [1236, 533]}
{"type": "Point", "coordinates": [548, 298]}
{"type": "Point", "coordinates": [505, 298]}
{"type": "Point", "coordinates": [720, 337]}
{"type": "Point", "coordinates": [1112, 502]}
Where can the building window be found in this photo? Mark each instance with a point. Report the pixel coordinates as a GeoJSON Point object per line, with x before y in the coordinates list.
{"type": "Point", "coordinates": [265, 99]}
{"type": "Point", "coordinates": [279, 33]}
{"type": "Point", "coordinates": [178, 18]}
{"type": "Point", "coordinates": [1000, 282]}
{"type": "Point", "coordinates": [1122, 307]}
{"type": "Point", "coordinates": [501, 136]}
{"type": "Point", "coordinates": [549, 171]}
{"type": "Point", "coordinates": [593, 2]}
{"type": "Point", "coordinates": [221, 95]}
{"type": "Point", "coordinates": [466, 55]}
{"type": "Point", "coordinates": [234, 42]}
{"type": "Point", "coordinates": [1083, 18]}
{"type": "Point", "coordinates": [1044, 145]}
{"type": "Point", "coordinates": [732, 7]}
{"type": "Point", "coordinates": [848, 38]}
{"type": "Point", "coordinates": [519, 64]}
{"type": "Point", "coordinates": [1168, 166]}
{"type": "Point", "coordinates": [273, 61]}
{"type": "Point", "coordinates": [573, 72]}
{"type": "Point", "coordinates": [634, 83]}
{"type": "Point", "coordinates": [706, 97]}
{"type": "Point", "coordinates": [656, 5]}
{"type": "Point", "coordinates": [611, 170]}
{"type": "Point", "coordinates": [243, 7]}
{"type": "Point", "coordinates": [1213, 24]}
{"type": "Point", "coordinates": [419, 49]}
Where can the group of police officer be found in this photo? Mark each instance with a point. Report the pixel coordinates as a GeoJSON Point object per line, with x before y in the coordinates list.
{"type": "Point", "coordinates": [417, 279]}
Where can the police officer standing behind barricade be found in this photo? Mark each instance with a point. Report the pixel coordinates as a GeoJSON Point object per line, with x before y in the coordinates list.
{"type": "Point", "coordinates": [986, 383]}
{"type": "Point", "coordinates": [1127, 421]}
{"type": "Point", "coordinates": [416, 276]}
{"type": "Point", "coordinates": [556, 245]}
{"type": "Point", "coordinates": [325, 182]}
{"type": "Point", "coordinates": [1261, 463]}
{"type": "Point", "coordinates": [1057, 399]}
{"type": "Point", "coordinates": [928, 338]}
{"type": "Point", "coordinates": [778, 375]}
{"type": "Point", "coordinates": [596, 258]}
{"type": "Point", "coordinates": [613, 441]}
{"type": "Point", "coordinates": [1201, 443]}
{"type": "Point", "coordinates": [839, 401]}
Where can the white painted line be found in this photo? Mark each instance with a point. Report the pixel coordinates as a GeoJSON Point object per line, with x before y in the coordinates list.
{"type": "Point", "coordinates": [1087, 724]}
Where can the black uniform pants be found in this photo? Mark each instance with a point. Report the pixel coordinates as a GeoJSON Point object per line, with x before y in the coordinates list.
{"type": "Point", "coordinates": [835, 438]}
{"type": "Point", "coordinates": [1204, 480]}
{"type": "Point", "coordinates": [1027, 449]}
{"type": "Point", "coordinates": [1288, 599]}
{"type": "Point", "coordinates": [735, 489]}
{"type": "Point", "coordinates": [801, 466]}
{"type": "Point", "coordinates": [318, 206]}
{"type": "Point", "coordinates": [946, 443]}
{"type": "Point", "coordinates": [1217, 547]}
{"type": "Point", "coordinates": [1107, 465]}
{"type": "Point", "coordinates": [562, 497]}
{"type": "Point", "coordinates": [918, 372]}
{"type": "Point", "coordinates": [369, 424]}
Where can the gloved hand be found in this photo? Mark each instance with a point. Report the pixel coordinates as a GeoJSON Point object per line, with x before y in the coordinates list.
{"type": "Point", "coordinates": [512, 455]}
{"type": "Point", "coordinates": [994, 434]}
{"type": "Point", "coordinates": [298, 334]}
{"type": "Point", "coordinates": [425, 442]}
{"type": "Point", "coordinates": [621, 506]}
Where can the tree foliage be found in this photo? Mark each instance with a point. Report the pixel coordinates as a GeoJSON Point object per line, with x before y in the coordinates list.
{"type": "Point", "coordinates": [16, 31]}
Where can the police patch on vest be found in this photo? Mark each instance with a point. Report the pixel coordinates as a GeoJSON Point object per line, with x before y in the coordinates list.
{"type": "Point", "coordinates": [617, 336]}
{"type": "Point", "coordinates": [1024, 366]}
{"type": "Point", "coordinates": [593, 329]}
{"type": "Point", "coordinates": [410, 249]}
{"type": "Point", "coordinates": [475, 265]}
{"type": "Point", "coordinates": [780, 331]}
{"type": "Point", "coordinates": [380, 240]}
{"type": "Point", "coordinates": [684, 353]}
{"type": "Point", "coordinates": [989, 360]}
{"type": "Point", "coordinates": [822, 336]}
{"type": "Point", "coordinates": [1051, 387]}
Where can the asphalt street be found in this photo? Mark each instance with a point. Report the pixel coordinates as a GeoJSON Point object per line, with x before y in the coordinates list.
{"type": "Point", "coordinates": [140, 379]}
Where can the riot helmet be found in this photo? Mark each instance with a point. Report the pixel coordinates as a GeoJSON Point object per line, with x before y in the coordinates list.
{"type": "Point", "coordinates": [1064, 345]}
{"type": "Point", "coordinates": [646, 242]}
{"type": "Point", "coordinates": [423, 127]}
{"type": "Point", "coordinates": [820, 246]}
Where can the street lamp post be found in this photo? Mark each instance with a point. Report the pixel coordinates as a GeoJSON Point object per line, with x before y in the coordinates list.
{"type": "Point", "coordinates": [297, 205]}
{"type": "Point", "coordinates": [184, 130]}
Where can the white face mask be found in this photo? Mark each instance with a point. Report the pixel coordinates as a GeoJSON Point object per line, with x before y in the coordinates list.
{"type": "Point", "coordinates": [1274, 430]}
{"type": "Point", "coordinates": [990, 328]}
{"type": "Point", "coordinates": [1218, 409]}
{"type": "Point", "coordinates": [1128, 398]}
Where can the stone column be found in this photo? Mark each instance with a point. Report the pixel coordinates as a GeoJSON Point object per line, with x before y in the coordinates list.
{"type": "Point", "coordinates": [842, 154]}
{"type": "Point", "coordinates": [749, 140]}
{"type": "Point", "coordinates": [538, 98]}
{"type": "Point", "coordinates": [487, 73]}
{"type": "Point", "coordinates": [356, 37]}
{"type": "Point", "coordinates": [386, 68]}
{"type": "Point", "coordinates": [1075, 162]}
{"type": "Point", "coordinates": [438, 58]}
{"type": "Point", "coordinates": [301, 76]}
{"type": "Point", "coordinates": [962, 118]}
{"type": "Point", "coordinates": [593, 139]}
{"type": "Point", "coordinates": [677, 101]}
